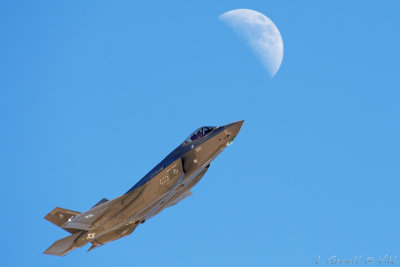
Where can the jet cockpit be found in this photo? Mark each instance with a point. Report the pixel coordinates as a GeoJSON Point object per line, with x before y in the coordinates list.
{"type": "Point", "coordinates": [199, 133]}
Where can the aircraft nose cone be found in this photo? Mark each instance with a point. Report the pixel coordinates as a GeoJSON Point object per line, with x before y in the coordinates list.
{"type": "Point", "coordinates": [234, 127]}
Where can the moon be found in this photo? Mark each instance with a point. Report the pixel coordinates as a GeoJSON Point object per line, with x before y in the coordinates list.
{"type": "Point", "coordinates": [261, 34]}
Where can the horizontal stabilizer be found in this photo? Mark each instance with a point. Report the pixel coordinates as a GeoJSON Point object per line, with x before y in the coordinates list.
{"type": "Point", "coordinates": [63, 246]}
{"type": "Point", "coordinates": [59, 216]}
{"type": "Point", "coordinates": [104, 200]}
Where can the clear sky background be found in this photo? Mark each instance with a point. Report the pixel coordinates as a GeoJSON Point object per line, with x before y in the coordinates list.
{"type": "Point", "coordinates": [93, 94]}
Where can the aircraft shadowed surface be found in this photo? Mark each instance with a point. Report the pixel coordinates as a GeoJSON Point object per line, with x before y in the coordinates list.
{"type": "Point", "coordinates": [165, 185]}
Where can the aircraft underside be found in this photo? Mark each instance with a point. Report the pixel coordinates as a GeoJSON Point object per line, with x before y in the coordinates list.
{"type": "Point", "coordinates": [165, 185]}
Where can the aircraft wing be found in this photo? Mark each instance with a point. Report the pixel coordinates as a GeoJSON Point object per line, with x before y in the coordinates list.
{"type": "Point", "coordinates": [178, 199]}
{"type": "Point", "coordinates": [100, 213]}
{"type": "Point", "coordinates": [84, 221]}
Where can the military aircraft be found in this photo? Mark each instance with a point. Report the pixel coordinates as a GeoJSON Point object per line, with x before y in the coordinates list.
{"type": "Point", "coordinates": [165, 185]}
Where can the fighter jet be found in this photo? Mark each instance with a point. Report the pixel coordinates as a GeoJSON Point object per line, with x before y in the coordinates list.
{"type": "Point", "coordinates": [165, 185]}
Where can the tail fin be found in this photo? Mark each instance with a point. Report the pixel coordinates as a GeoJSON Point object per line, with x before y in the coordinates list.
{"type": "Point", "coordinates": [63, 246]}
{"type": "Point", "coordinates": [59, 216]}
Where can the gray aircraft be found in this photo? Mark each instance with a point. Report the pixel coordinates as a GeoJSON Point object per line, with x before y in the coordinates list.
{"type": "Point", "coordinates": [165, 185]}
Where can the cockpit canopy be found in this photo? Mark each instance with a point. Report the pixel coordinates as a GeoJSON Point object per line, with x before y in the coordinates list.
{"type": "Point", "coordinates": [199, 133]}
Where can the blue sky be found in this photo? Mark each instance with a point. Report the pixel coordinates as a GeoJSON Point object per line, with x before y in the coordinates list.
{"type": "Point", "coordinates": [93, 94]}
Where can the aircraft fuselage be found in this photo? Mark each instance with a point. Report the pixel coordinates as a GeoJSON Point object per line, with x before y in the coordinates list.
{"type": "Point", "coordinates": [165, 185]}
